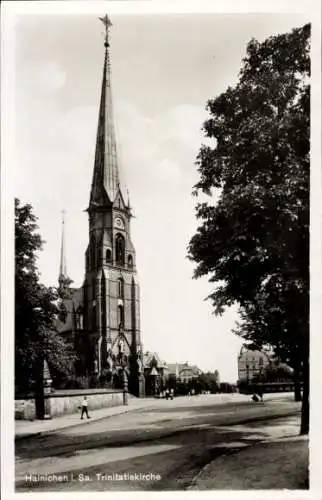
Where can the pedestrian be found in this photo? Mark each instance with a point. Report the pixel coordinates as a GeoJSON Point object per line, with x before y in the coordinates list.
{"type": "Point", "coordinates": [172, 393]}
{"type": "Point", "coordinates": [260, 393]}
{"type": "Point", "coordinates": [255, 398]}
{"type": "Point", "coordinates": [85, 408]}
{"type": "Point", "coordinates": [167, 393]}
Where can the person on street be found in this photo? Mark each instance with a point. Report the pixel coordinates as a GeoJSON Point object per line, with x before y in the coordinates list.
{"type": "Point", "coordinates": [167, 393]}
{"type": "Point", "coordinates": [85, 408]}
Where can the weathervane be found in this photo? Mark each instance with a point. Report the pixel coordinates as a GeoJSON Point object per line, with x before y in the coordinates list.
{"type": "Point", "coordinates": [107, 23]}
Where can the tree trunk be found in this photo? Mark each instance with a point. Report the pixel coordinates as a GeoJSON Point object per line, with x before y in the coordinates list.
{"type": "Point", "coordinates": [297, 381]}
{"type": "Point", "coordinates": [39, 388]}
{"type": "Point", "coordinates": [305, 417]}
{"type": "Point", "coordinates": [297, 391]}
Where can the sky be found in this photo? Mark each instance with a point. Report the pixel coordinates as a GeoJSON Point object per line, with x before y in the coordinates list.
{"type": "Point", "coordinates": [164, 69]}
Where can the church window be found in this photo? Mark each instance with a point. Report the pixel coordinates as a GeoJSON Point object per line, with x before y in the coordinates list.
{"type": "Point", "coordinates": [119, 249]}
{"type": "Point", "coordinates": [99, 257]}
{"type": "Point", "coordinates": [120, 311]}
{"type": "Point", "coordinates": [93, 250]}
{"type": "Point", "coordinates": [108, 255]}
{"type": "Point", "coordinates": [130, 261]}
{"type": "Point", "coordinates": [94, 318]}
{"type": "Point", "coordinates": [79, 319]}
{"type": "Point", "coordinates": [120, 286]}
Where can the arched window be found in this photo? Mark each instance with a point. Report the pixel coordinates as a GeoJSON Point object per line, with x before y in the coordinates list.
{"type": "Point", "coordinates": [94, 318]}
{"type": "Point", "coordinates": [93, 251]}
{"type": "Point", "coordinates": [108, 255]}
{"type": "Point", "coordinates": [99, 257]}
{"type": "Point", "coordinates": [130, 261]}
{"type": "Point", "coordinates": [79, 318]}
{"type": "Point", "coordinates": [120, 314]}
{"type": "Point", "coordinates": [119, 249]}
{"type": "Point", "coordinates": [120, 287]}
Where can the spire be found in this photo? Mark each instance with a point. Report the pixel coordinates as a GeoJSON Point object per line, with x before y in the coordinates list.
{"type": "Point", "coordinates": [106, 175]}
{"type": "Point", "coordinates": [63, 280]}
{"type": "Point", "coordinates": [62, 265]}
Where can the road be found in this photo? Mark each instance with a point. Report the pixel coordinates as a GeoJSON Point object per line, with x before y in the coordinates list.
{"type": "Point", "coordinates": [171, 441]}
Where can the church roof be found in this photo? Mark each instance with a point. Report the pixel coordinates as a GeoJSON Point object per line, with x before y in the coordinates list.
{"type": "Point", "coordinates": [106, 171]}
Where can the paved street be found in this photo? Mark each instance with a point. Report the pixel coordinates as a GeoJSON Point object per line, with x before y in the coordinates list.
{"type": "Point", "coordinates": [173, 440]}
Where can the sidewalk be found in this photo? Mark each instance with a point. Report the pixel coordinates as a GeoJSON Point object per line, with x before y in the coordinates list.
{"type": "Point", "coordinates": [280, 461]}
{"type": "Point", "coordinates": [24, 428]}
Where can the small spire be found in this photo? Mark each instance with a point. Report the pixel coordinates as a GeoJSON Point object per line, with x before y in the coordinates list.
{"type": "Point", "coordinates": [63, 265]}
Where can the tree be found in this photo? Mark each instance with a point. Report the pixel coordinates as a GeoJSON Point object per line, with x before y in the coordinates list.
{"type": "Point", "coordinates": [36, 310]}
{"type": "Point", "coordinates": [274, 373]}
{"type": "Point", "coordinates": [254, 243]}
{"type": "Point", "coordinates": [209, 381]}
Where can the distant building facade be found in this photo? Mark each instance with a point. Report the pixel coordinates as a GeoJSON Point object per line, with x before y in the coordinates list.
{"type": "Point", "coordinates": [183, 371]}
{"type": "Point", "coordinates": [154, 373]}
{"type": "Point", "coordinates": [252, 363]}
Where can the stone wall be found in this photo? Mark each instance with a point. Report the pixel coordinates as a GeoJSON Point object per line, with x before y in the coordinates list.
{"type": "Point", "coordinates": [64, 402]}
{"type": "Point", "coordinates": [25, 409]}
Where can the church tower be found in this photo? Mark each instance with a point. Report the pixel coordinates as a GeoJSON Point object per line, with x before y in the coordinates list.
{"type": "Point", "coordinates": [111, 291]}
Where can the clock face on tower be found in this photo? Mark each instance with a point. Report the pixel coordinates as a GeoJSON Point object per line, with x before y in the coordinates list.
{"type": "Point", "coordinates": [118, 223]}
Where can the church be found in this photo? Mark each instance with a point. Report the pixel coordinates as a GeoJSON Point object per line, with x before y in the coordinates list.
{"type": "Point", "coordinates": [102, 318]}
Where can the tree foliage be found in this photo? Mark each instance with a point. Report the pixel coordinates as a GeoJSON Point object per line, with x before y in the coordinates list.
{"type": "Point", "coordinates": [254, 243]}
{"type": "Point", "coordinates": [36, 308]}
{"type": "Point", "coordinates": [209, 381]}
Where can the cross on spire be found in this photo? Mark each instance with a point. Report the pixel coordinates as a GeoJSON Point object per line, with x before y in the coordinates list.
{"type": "Point", "coordinates": [107, 23]}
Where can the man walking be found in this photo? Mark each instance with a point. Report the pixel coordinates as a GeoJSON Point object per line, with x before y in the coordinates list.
{"type": "Point", "coordinates": [85, 408]}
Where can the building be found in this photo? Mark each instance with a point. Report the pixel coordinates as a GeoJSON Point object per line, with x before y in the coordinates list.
{"type": "Point", "coordinates": [154, 373]}
{"type": "Point", "coordinates": [183, 372]}
{"type": "Point", "coordinates": [103, 317]}
{"type": "Point", "coordinates": [251, 363]}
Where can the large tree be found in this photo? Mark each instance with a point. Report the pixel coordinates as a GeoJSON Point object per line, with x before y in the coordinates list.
{"type": "Point", "coordinates": [254, 242]}
{"type": "Point", "coordinates": [36, 310]}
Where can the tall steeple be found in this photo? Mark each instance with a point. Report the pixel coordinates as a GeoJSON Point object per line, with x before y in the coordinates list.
{"type": "Point", "coordinates": [63, 279]}
{"type": "Point", "coordinates": [62, 264]}
{"type": "Point", "coordinates": [105, 182]}
{"type": "Point", "coordinates": [111, 290]}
